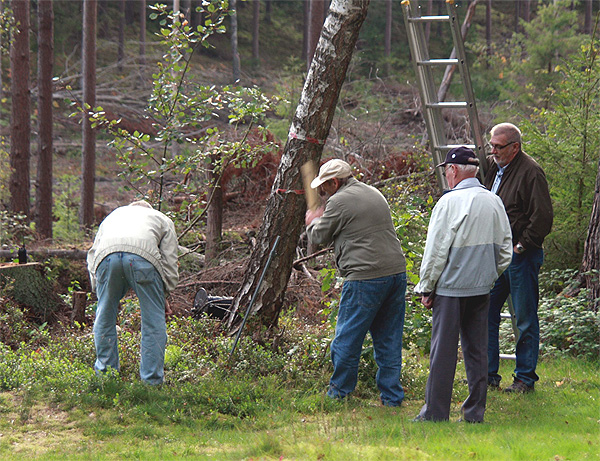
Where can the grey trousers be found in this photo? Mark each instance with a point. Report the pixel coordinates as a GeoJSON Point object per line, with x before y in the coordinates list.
{"type": "Point", "coordinates": [450, 316]}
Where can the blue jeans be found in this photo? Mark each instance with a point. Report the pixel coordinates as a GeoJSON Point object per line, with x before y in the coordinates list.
{"type": "Point", "coordinates": [378, 306]}
{"type": "Point", "coordinates": [116, 274]}
{"type": "Point", "coordinates": [520, 280]}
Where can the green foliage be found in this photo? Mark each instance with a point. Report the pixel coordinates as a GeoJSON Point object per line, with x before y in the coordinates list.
{"type": "Point", "coordinates": [571, 327]}
{"type": "Point", "coordinates": [185, 117]}
{"type": "Point", "coordinates": [66, 209]}
{"type": "Point", "coordinates": [565, 138]}
{"type": "Point", "coordinates": [410, 213]}
{"type": "Point", "coordinates": [521, 68]}
{"type": "Point", "coordinates": [568, 324]}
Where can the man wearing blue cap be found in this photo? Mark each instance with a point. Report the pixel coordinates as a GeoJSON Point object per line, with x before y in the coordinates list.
{"type": "Point", "coordinates": [468, 246]}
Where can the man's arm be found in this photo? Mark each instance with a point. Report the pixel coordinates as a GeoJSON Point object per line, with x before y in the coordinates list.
{"type": "Point", "coordinates": [540, 213]}
{"type": "Point", "coordinates": [168, 250]}
{"type": "Point", "coordinates": [440, 236]}
{"type": "Point", "coordinates": [325, 224]}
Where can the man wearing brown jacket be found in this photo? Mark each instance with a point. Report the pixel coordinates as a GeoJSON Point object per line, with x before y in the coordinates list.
{"type": "Point", "coordinates": [521, 184]}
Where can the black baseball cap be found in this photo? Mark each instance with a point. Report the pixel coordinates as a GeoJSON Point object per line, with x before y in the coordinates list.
{"type": "Point", "coordinates": [460, 155]}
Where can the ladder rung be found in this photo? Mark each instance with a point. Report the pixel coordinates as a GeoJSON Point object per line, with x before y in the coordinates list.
{"type": "Point", "coordinates": [453, 146]}
{"type": "Point", "coordinates": [505, 316]}
{"type": "Point", "coordinates": [508, 356]}
{"type": "Point", "coordinates": [447, 105]}
{"type": "Point", "coordinates": [429, 19]}
{"type": "Point", "coordinates": [438, 62]}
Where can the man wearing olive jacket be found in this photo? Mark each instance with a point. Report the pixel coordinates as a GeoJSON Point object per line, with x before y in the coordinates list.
{"type": "Point", "coordinates": [468, 246]}
{"type": "Point", "coordinates": [135, 247]}
{"type": "Point", "coordinates": [356, 218]}
{"type": "Point", "coordinates": [521, 184]}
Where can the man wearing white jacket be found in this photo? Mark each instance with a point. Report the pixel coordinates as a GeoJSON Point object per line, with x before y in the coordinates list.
{"type": "Point", "coordinates": [469, 244]}
{"type": "Point", "coordinates": [135, 247]}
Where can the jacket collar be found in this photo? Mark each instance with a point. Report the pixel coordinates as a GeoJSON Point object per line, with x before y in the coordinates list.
{"type": "Point", "coordinates": [467, 183]}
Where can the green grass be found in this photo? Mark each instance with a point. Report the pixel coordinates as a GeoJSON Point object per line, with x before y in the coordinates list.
{"type": "Point", "coordinates": [264, 418]}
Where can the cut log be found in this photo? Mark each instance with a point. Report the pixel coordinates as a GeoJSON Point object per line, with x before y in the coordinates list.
{"type": "Point", "coordinates": [46, 253]}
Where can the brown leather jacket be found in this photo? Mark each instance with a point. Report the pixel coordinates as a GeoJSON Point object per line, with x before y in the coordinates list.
{"type": "Point", "coordinates": [524, 192]}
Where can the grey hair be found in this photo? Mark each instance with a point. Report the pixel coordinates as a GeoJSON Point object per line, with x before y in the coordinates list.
{"type": "Point", "coordinates": [509, 130]}
{"type": "Point", "coordinates": [468, 169]}
{"type": "Point", "coordinates": [141, 203]}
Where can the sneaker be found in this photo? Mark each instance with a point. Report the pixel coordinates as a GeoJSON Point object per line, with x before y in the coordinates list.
{"type": "Point", "coordinates": [494, 385]}
{"type": "Point", "coordinates": [518, 387]}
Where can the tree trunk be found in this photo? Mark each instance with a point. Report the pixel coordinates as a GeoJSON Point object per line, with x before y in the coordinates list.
{"type": "Point", "coordinates": [589, 15]}
{"type": "Point", "coordinates": [590, 265]}
{"type": "Point", "coordinates": [143, 33]}
{"type": "Point", "coordinates": [284, 213]}
{"type": "Point", "coordinates": [2, 45]}
{"type": "Point", "coordinates": [488, 30]}
{"type": "Point", "coordinates": [449, 72]}
{"type": "Point", "coordinates": [255, 29]}
{"type": "Point", "coordinates": [526, 10]}
{"type": "Point", "coordinates": [45, 119]}
{"type": "Point", "coordinates": [305, 29]}
{"type": "Point", "coordinates": [428, 25]}
{"type": "Point", "coordinates": [121, 44]}
{"type": "Point", "coordinates": [387, 47]}
{"type": "Point", "coordinates": [187, 9]}
{"type": "Point", "coordinates": [315, 25]}
{"type": "Point", "coordinates": [214, 216]}
{"type": "Point", "coordinates": [236, 68]}
{"type": "Point", "coordinates": [88, 157]}
{"type": "Point", "coordinates": [20, 127]}
{"type": "Point", "coordinates": [268, 8]}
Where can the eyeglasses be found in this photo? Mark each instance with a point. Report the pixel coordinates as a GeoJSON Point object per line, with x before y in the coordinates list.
{"type": "Point", "coordinates": [499, 147]}
{"type": "Point", "coordinates": [446, 168]}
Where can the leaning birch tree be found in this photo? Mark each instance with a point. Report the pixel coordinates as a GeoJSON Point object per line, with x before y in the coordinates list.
{"type": "Point", "coordinates": [284, 213]}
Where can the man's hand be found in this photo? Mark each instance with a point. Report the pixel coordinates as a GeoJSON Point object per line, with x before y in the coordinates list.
{"type": "Point", "coordinates": [427, 301]}
{"type": "Point", "coordinates": [168, 310]}
{"type": "Point", "coordinates": [311, 215]}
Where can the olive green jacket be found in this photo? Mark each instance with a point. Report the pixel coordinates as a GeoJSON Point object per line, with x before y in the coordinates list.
{"type": "Point", "coordinates": [357, 220]}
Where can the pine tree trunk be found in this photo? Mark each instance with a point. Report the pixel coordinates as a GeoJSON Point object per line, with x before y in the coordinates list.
{"type": "Point", "coordinates": [121, 41]}
{"type": "Point", "coordinates": [255, 29]}
{"type": "Point", "coordinates": [236, 67]}
{"type": "Point", "coordinates": [284, 213]}
{"type": "Point", "coordinates": [589, 17]}
{"type": "Point", "coordinates": [45, 118]}
{"type": "Point", "coordinates": [20, 126]}
{"type": "Point", "coordinates": [591, 250]}
{"type": "Point", "coordinates": [143, 33]}
{"type": "Point", "coordinates": [315, 25]}
{"type": "Point", "coordinates": [88, 157]}
{"type": "Point", "coordinates": [387, 47]}
{"type": "Point", "coordinates": [214, 216]}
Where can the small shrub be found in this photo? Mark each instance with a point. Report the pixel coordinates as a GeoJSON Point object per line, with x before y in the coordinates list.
{"type": "Point", "coordinates": [569, 326]}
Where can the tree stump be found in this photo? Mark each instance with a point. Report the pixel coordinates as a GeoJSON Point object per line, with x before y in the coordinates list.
{"type": "Point", "coordinates": [79, 302]}
{"type": "Point", "coordinates": [28, 285]}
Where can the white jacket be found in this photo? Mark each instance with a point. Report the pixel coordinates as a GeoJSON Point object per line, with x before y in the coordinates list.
{"type": "Point", "coordinates": [469, 243]}
{"type": "Point", "coordinates": [142, 231]}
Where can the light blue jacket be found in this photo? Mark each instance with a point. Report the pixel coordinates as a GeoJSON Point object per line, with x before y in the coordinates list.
{"type": "Point", "coordinates": [469, 243]}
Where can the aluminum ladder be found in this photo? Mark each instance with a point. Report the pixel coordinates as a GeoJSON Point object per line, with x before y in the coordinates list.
{"type": "Point", "coordinates": [432, 108]}
{"type": "Point", "coordinates": [425, 68]}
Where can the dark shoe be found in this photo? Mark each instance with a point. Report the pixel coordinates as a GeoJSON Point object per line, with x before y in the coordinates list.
{"type": "Point", "coordinates": [494, 385]}
{"type": "Point", "coordinates": [461, 420]}
{"type": "Point", "coordinates": [518, 387]}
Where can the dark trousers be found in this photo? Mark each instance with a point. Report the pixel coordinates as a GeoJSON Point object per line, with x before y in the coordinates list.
{"type": "Point", "coordinates": [451, 316]}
